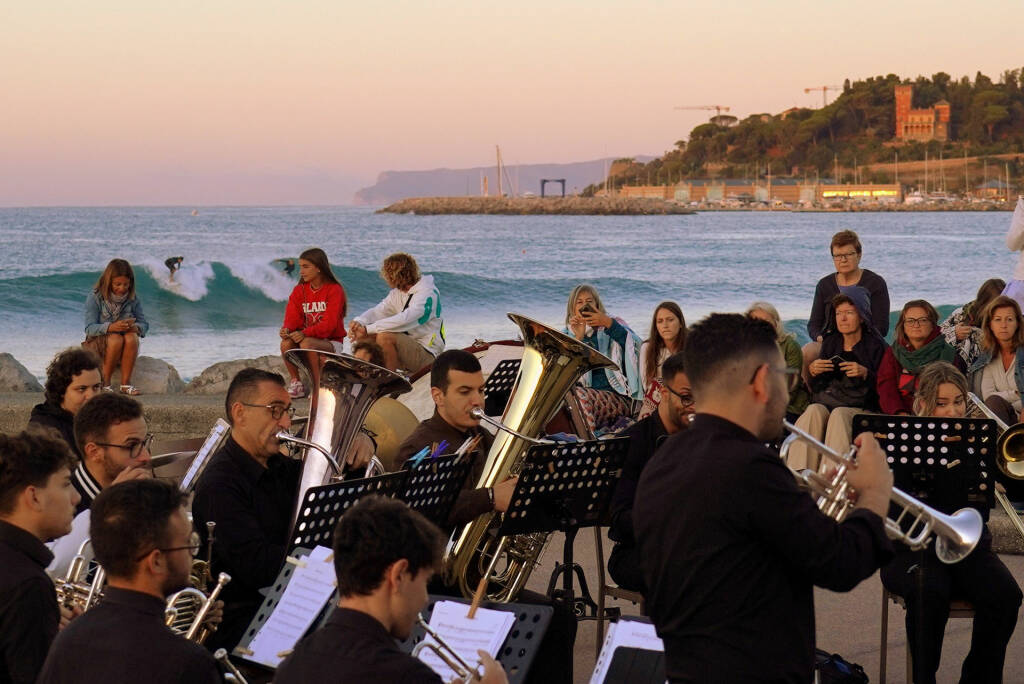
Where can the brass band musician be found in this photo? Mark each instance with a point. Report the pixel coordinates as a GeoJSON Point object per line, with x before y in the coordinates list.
{"type": "Point", "coordinates": [730, 579]}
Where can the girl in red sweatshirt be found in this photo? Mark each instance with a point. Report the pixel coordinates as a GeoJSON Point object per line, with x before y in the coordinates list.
{"type": "Point", "coordinates": [314, 316]}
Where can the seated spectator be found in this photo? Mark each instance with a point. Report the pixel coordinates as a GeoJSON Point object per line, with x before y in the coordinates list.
{"type": "Point", "coordinates": [843, 379]}
{"type": "Point", "coordinates": [918, 342]}
{"type": "Point", "coordinates": [72, 378]}
{"type": "Point", "coordinates": [407, 324]}
{"type": "Point", "coordinates": [846, 254]}
{"type": "Point", "coordinates": [997, 375]}
{"type": "Point", "coordinates": [672, 415]}
{"type": "Point", "coordinates": [114, 323]}
{"type": "Point", "coordinates": [369, 351]}
{"type": "Point", "coordinates": [962, 328]}
{"type": "Point", "coordinates": [667, 337]}
{"type": "Point", "coordinates": [315, 315]}
{"type": "Point", "coordinates": [799, 397]}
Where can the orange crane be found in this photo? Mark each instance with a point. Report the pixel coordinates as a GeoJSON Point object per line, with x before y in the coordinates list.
{"type": "Point", "coordinates": [824, 90]}
{"type": "Point", "coordinates": [718, 108]}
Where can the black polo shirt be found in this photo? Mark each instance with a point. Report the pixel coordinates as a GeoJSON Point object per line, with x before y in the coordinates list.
{"type": "Point", "coordinates": [352, 646]}
{"type": "Point", "coordinates": [731, 551]}
{"type": "Point", "coordinates": [124, 639]}
{"type": "Point", "coordinates": [28, 604]}
{"type": "Point", "coordinates": [252, 507]}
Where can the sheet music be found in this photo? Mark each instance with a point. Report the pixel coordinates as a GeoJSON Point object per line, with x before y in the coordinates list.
{"type": "Point", "coordinates": [632, 633]}
{"type": "Point", "coordinates": [487, 632]}
{"type": "Point", "coordinates": [308, 590]}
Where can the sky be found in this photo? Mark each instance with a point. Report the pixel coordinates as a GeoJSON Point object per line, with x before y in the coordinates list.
{"type": "Point", "coordinates": [217, 102]}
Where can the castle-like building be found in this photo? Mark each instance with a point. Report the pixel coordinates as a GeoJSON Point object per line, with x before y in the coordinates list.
{"type": "Point", "coordinates": [920, 124]}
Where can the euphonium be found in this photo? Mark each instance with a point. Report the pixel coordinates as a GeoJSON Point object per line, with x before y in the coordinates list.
{"type": "Point", "coordinates": [1010, 447]}
{"type": "Point", "coordinates": [74, 590]}
{"type": "Point", "coordinates": [339, 400]}
{"type": "Point", "coordinates": [187, 609]}
{"type": "Point", "coordinates": [956, 535]}
{"type": "Point", "coordinates": [552, 363]}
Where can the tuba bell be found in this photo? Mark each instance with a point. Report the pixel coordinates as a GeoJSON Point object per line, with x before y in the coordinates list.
{"type": "Point", "coordinates": [552, 363]}
{"type": "Point", "coordinates": [1010, 447]}
{"type": "Point", "coordinates": [345, 390]}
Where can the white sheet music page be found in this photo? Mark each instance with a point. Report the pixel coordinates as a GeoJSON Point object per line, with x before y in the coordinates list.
{"type": "Point", "coordinates": [308, 590]}
{"type": "Point", "coordinates": [631, 633]}
{"type": "Point", "coordinates": [486, 632]}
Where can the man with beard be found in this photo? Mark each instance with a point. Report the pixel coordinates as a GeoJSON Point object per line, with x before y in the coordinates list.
{"type": "Point", "coordinates": [143, 539]}
{"type": "Point", "coordinates": [646, 437]}
{"type": "Point", "coordinates": [731, 546]}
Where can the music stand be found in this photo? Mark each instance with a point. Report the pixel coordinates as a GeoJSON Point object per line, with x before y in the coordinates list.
{"type": "Point", "coordinates": [566, 486]}
{"type": "Point", "coordinates": [323, 505]}
{"type": "Point", "coordinates": [520, 647]}
{"type": "Point", "coordinates": [432, 485]}
{"type": "Point", "coordinates": [947, 463]}
{"type": "Point", "coordinates": [498, 387]}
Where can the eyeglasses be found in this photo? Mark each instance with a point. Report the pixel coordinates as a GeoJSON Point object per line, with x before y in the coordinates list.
{"type": "Point", "coordinates": [792, 379]}
{"type": "Point", "coordinates": [193, 548]}
{"type": "Point", "coordinates": [134, 448]}
{"type": "Point", "coordinates": [844, 256]}
{"type": "Point", "coordinates": [276, 410]}
{"type": "Point", "coordinates": [913, 322]}
{"type": "Point", "coordinates": [685, 399]}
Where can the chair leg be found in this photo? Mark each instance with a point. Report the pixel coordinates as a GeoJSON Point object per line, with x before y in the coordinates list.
{"type": "Point", "coordinates": [883, 649]}
{"type": "Point", "coordinates": [599, 545]}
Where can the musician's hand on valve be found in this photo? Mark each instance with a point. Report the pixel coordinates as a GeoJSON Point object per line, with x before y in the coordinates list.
{"type": "Point", "coordinates": [215, 616]}
{"type": "Point", "coordinates": [872, 478]}
{"type": "Point", "coordinates": [361, 451]}
{"type": "Point", "coordinates": [68, 614]}
{"type": "Point", "coordinates": [503, 494]}
{"type": "Point", "coordinates": [493, 671]}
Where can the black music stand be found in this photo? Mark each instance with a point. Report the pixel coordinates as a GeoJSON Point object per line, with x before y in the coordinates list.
{"type": "Point", "coordinates": [566, 486]}
{"type": "Point", "coordinates": [432, 485]}
{"type": "Point", "coordinates": [520, 647]}
{"type": "Point", "coordinates": [498, 387]}
{"type": "Point", "coordinates": [323, 505]}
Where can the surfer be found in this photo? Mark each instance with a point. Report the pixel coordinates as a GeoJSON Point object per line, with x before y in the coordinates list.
{"type": "Point", "coordinates": [173, 264]}
{"type": "Point", "coordinates": [288, 266]}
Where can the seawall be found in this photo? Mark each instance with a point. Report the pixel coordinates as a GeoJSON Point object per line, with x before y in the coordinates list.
{"type": "Point", "coordinates": [577, 206]}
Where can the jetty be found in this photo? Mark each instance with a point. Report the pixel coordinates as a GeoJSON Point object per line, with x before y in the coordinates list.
{"type": "Point", "coordinates": [519, 206]}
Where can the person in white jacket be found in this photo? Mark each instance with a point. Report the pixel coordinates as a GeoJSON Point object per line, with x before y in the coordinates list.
{"type": "Point", "coordinates": [407, 324]}
{"type": "Point", "coordinates": [1015, 242]}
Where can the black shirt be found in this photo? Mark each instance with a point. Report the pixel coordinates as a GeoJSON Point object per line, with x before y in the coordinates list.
{"type": "Point", "coordinates": [352, 647]}
{"type": "Point", "coordinates": [86, 485]}
{"type": "Point", "coordinates": [644, 439]}
{"type": "Point", "coordinates": [472, 502]}
{"type": "Point", "coordinates": [730, 579]}
{"type": "Point", "coordinates": [61, 420]}
{"type": "Point", "coordinates": [125, 639]}
{"type": "Point", "coordinates": [252, 507]}
{"type": "Point", "coordinates": [28, 604]}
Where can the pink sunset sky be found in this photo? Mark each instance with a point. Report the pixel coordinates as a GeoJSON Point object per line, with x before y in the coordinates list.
{"type": "Point", "coordinates": [215, 102]}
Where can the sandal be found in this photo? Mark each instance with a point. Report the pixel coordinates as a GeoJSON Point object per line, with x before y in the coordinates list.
{"type": "Point", "coordinates": [108, 388]}
{"type": "Point", "coordinates": [130, 390]}
{"type": "Point", "coordinates": [296, 390]}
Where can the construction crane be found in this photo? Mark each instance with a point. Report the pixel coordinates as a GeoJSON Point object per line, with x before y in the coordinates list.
{"type": "Point", "coordinates": [824, 90]}
{"type": "Point", "coordinates": [718, 108]}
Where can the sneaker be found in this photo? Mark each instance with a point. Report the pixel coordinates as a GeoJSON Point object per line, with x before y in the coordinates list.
{"type": "Point", "coordinates": [130, 390]}
{"type": "Point", "coordinates": [296, 390]}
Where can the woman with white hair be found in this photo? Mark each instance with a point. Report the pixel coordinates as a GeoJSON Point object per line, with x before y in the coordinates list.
{"type": "Point", "coordinates": [799, 397]}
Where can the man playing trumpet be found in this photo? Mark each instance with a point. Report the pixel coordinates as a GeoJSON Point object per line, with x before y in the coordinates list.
{"type": "Point", "coordinates": [730, 579]}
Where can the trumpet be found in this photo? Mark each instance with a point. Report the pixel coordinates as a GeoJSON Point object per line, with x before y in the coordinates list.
{"type": "Point", "coordinates": [187, 609]}
{"type": "Point", "coordinates": [446, 653]}
{"type": "Point", "coordinates": [955, 535]}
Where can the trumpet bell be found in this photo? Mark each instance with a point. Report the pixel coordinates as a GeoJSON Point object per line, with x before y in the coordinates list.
{"type": "Point", "coordinates": [963, 530]}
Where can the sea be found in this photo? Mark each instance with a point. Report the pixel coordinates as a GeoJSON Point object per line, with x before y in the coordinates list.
{"type": "Point", "coordinates": [227, 301]}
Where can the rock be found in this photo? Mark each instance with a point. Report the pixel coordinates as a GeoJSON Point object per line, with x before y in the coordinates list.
{"type": "Point", "coordinates": [216, 378]}
{"type": "Point", "coordinates": [152, 376]}
{"type": "Point", "coordinates": [15, 378]}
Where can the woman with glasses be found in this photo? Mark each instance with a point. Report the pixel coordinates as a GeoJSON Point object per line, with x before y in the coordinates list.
{"type": "Point", "coordinates": [981, 578]}
{"type": "Point", "coordinates": [997, 375]}
{"type": "Point", "coordinates": [843, 378]}
{"type": "Point", "coordinates": [846, 254]}
{"type": "Point", "coordinates": [918, 342]}
{"type": "Point", "coordinates": [799, 398]}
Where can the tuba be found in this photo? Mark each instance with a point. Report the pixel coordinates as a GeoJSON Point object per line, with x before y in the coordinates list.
{"type": "Point", "coordinates": [552, 363]}
{"type": "Point", "coordinates": [74, 590]}
{"type": "Point", "coordinates": [187, 609]}
{"type": "Point", "coordinates": [345, 390]}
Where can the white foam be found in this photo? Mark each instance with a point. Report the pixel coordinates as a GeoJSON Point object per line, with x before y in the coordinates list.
{"type": "Point", "coordinates": [263, 277]}
{"type": "Point", "coordinates": [190, 280]}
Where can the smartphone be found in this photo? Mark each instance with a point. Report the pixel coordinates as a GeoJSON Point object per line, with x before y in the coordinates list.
{"type": "Point", "coordinates": [836, 360]}
{"type": "Point", "coordinates": [587, 308]}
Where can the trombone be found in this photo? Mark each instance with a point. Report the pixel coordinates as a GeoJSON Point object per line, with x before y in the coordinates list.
{"type": "Point", "coordinates": [956, 535]}
{"type": "Point", "coordinates": [463, 670]}
{"type": "Point", "coordinates": [1009, 457]}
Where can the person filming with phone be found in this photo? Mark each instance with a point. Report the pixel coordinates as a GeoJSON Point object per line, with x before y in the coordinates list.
{"type": "Point", "coordinates": [843, 378]}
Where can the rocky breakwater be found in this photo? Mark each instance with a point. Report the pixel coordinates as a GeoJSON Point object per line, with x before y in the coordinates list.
{"type": "Point", "coordinates": [518, 206]}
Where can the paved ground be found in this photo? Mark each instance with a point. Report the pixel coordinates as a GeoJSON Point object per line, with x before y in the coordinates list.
{"type": "Point", "coordinates": [848, 624]}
